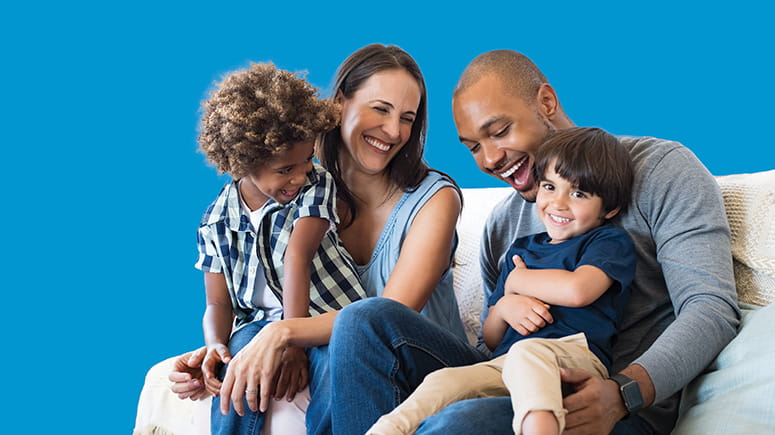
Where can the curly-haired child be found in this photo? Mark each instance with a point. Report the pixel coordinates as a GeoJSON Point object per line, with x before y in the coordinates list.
{"type": "Point", "coordinates": [268, 244]}
{"type": "Point", "coordinates": [582, 265]}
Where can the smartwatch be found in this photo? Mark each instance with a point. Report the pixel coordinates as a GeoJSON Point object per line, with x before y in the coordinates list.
{"type": "Point", "coordinates": [630, 391]}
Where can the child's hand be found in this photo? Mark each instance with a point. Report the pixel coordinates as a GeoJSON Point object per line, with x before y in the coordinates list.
{"type": "Point", "coordinates": [216, 355]}
{"type": "Point", "coordinates": [293, 374]}
{"type": "Point", "coordinates": [511, 286]}
{"type": "Point", "coordinates": [518, 263]}
{"type": "Point", "coordinates": [525, 314]}
{"type": "Point", "coordinates": [186, 376]}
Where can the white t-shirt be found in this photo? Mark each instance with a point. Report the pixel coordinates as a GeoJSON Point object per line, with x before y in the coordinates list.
{"type": "Point", "coordinates": [263, 296]}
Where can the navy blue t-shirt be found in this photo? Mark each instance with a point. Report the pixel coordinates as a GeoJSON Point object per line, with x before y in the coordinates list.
{"type": "Point", "coordinates": [606, 247]}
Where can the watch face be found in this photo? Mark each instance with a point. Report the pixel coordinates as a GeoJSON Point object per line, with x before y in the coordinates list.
{"type": "Point", "coordinates": [631, 395]}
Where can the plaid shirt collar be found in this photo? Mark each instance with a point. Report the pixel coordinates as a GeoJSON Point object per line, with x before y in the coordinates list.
{"type": "Point", "coordinates": [235, 217]}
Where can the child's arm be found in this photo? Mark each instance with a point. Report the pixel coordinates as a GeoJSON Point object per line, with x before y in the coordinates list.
{"type": "Point", "coordinates": [216, 324]}
{"type": "Point", "coordinates": [575, 288]}
{"type": "Point", "coordinates": [304, 241]}
{"type": "Point", "coordinates": [525, 314]}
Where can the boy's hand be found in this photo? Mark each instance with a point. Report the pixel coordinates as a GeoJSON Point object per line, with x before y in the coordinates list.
{"type": "Point", "coordinates": [510, 287]}
{"type": "Point", "coordinates": [216, 355]}
{"type": "Point", "coordinates": [525, 314]}
{"type": "Point", "coordinates": [518, 263]}
{"type": "Point", "coordinates": [293, 374]}
{"type": "Point", "coordinates": [186, 376]}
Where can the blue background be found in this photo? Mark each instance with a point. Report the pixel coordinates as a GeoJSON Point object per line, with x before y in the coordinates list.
{"type": "Point", "coordinates": [103, 187]}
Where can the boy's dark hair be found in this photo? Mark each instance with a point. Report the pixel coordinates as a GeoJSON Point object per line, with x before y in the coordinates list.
{"type": "Point", "coordinates": [591, 159]}
{"type": "Point", "coordinates": [256, 113]}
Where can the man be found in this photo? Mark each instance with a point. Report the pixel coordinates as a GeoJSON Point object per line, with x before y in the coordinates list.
{"type": "Point", "coordinates": [683, 309]}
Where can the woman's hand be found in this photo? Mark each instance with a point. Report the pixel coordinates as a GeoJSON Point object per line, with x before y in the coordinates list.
{"type": "Point", "coordinates": [186, 376]}
{"type": "Point", "coordinates": [251, 372]}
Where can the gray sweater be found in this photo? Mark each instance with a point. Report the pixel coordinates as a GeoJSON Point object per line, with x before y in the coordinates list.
{"type": "Point", "coordinates": [683, 308]}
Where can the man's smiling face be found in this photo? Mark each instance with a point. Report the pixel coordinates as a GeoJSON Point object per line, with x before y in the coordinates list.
{"type": "Point", "coordinates": [502, 131]}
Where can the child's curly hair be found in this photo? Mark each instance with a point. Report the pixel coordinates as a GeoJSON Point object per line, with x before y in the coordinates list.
{"type": "Point", "coordinates": [256, 113]}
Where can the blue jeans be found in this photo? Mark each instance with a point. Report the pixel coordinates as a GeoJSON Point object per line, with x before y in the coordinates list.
{"type": "Point", "coordinates": [232, 423]}
{"type": "Point", "coordinates": [493, 416]}
{"type": "Point", "coordinates": [380, 351]}
{"type": "Point", "coordinates": [252, 422]}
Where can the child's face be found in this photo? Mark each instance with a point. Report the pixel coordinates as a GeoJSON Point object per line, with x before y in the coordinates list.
{"type": "Point", "coordinates": [567, 211]}
{"type": "Point", "coordinates": [282, 177]}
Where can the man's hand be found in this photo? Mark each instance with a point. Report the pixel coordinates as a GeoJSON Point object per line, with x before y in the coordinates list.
{"type": "Point", "coordinates": [596, 405]}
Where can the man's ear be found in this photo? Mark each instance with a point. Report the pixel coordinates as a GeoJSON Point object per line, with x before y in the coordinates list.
{"type": "Point", "coordinates": [547, 100]}
{"type": "Point", "coordinates": [612, 213]}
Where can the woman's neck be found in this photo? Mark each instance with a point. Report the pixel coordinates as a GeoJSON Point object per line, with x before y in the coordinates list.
{"type": "Point", "coordinates": [369, 190]}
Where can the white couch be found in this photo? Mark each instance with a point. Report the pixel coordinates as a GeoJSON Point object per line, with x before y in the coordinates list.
{"type": "Point", "coordinates": [736, 394]}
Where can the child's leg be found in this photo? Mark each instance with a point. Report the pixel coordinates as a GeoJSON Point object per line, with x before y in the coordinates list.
{"type": "Point", "coordinates": [440, 389]}
{"type": "Point", "coordinates": [531, 372]}
{"type": "Point", "coordinates": [251, 422]}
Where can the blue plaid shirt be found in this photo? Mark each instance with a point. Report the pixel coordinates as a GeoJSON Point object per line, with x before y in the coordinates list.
{"type": "Point", "coordinates": [227, 245]}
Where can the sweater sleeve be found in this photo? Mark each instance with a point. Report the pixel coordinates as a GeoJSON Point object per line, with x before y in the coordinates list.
{"type": "Point", "coordinates": [684, 209]}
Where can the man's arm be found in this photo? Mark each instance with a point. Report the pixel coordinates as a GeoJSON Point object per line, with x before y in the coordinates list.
{"type": "Point", "coordinates": [691, 235]}
{"type": "Point", "coordinates": [680, 229]}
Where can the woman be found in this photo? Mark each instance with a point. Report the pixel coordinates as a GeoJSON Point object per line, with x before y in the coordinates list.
{"type": "Point", "coordinates": [398, 223]}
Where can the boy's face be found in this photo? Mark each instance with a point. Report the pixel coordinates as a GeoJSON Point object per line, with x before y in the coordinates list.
{"type": "Point", "coordinates": [281, 178]}
{"type": "Point", "coordinates": [567, 211]}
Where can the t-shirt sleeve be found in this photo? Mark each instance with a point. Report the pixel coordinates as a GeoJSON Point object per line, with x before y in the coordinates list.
{"type": "Point", "coordinates": [208, 260]}
{"type": "Point", "coordinates": [612, 251]}
{"type": "Point", "coordinates": [499, 290]}
{"type": "Point", "coordinates": [319, 200]}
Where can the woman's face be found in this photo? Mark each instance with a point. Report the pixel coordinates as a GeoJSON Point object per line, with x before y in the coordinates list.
{"type": "Point", "coordinates": [377, 120]}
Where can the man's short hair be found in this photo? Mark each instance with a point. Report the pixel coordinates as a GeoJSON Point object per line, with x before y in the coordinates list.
{"type": "Point", "coordinates": [518, 73]}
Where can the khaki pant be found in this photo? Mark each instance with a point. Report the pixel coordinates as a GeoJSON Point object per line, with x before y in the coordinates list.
{"type": "Point", "coordinates": [530, 372]}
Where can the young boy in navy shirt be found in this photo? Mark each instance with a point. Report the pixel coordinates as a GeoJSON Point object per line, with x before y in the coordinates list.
{"type": "Point", "coordinates": [570, 283]}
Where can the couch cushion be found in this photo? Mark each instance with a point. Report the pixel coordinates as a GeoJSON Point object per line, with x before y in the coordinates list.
{"type": "Point", "coordinates": [735, 394]}
{"type": "Point", "coordinates": [477, 204]}
{"type": "Point", "coordinates": [750, 204]}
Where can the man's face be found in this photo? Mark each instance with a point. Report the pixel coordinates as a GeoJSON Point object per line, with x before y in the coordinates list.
{"type": "Point", "coordinates": [502, 131]}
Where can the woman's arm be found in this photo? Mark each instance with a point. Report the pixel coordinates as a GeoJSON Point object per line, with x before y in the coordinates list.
{"type": "Point", "coordinates": [424, 257]}
{"type": "Point", "coordinates": [255, 366]}
{"type": "Point", "coordinates": [425, 253]}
